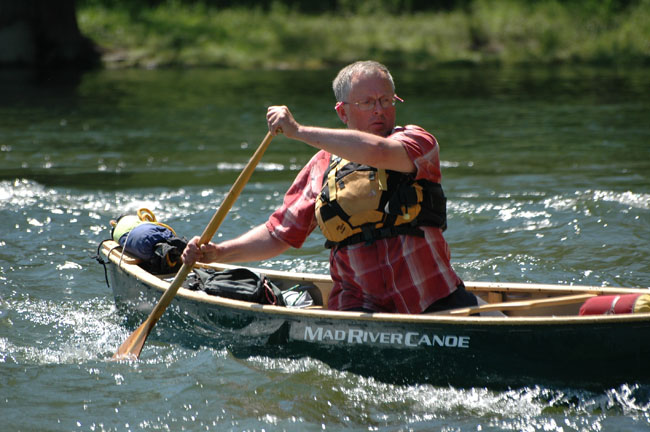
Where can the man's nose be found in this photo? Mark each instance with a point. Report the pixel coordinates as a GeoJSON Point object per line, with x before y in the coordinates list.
{"type": "Point", "coordinates": [376, 108]}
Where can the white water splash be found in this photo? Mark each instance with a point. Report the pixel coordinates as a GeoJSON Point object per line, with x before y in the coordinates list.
{"type": "Point", "coordinates": [68, 332]}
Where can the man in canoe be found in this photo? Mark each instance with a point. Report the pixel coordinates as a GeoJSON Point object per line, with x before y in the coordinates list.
{"type": "Point", "coordinates": [374, 191]}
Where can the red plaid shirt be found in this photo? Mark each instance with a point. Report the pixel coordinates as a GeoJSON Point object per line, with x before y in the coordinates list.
{"type": "Point", "coordinates": [403, 274]}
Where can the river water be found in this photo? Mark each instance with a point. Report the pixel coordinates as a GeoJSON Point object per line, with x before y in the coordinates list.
{"type": "Point", "coordinates": [547, 172]}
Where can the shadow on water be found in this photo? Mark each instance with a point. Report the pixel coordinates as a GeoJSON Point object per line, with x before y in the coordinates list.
{"type": "Point", "coordinates": [36, 87]}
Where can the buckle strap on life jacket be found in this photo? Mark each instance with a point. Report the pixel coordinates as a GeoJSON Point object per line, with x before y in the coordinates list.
{"type": "Point", "coordinates": [404, 196]}
{"type": "Point", "coordinates": [369, 235]}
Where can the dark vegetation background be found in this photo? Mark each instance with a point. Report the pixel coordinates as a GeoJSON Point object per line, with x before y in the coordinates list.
{"type": "Point", "coordinates": [356, 6]}
{"type": "Point", "coordinates": [303, 34]}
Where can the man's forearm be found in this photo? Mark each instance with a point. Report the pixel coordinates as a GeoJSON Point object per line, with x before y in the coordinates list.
{"type": "Point", "coordinates": [357, 146]}
{"type": "Point", "coordinates": [255, 245]}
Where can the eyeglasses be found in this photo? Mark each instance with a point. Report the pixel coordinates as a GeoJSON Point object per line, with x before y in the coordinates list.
{"type": "Point", "coordinates": [367, 105]}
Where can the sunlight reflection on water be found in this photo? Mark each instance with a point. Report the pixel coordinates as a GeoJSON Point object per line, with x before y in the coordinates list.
{"type": "Point", "coordinates": [546, 174]}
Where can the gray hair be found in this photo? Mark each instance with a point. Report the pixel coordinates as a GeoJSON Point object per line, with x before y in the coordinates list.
{"type": "Point", "coordinates": [343, 81]}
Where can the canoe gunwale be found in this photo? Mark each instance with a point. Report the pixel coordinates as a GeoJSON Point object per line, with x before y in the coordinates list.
{"type": "Point", "coordinates": [129, 266]}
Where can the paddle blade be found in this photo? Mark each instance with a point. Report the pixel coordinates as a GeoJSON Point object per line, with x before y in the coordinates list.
{"type": "Point", "coordinates": [131, 348]}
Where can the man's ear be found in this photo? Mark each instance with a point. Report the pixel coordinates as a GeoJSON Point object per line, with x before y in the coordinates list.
{"type": "Point", "coordinates": [340, 110]}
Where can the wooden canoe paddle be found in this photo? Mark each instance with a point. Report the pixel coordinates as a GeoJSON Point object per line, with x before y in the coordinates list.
{"type": "Point", "coordinates": [132, 347]}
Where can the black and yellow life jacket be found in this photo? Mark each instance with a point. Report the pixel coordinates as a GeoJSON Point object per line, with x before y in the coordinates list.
{"type": "Point", "coordinates": [359, 203]}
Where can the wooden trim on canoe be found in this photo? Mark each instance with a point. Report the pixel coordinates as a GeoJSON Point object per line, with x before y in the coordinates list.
{"type": "Point", "coordinates": [516, 291]}
{"type": "Point", "coordinates": [517, 305]}
{"type": "Point", "coordinates": [514, 287]}
{"type": "Point", "coordinates": [116, 251]}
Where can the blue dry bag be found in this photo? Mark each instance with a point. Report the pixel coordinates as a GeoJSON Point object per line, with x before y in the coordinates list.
{"type": "Point", "coordinates": [141, 241]}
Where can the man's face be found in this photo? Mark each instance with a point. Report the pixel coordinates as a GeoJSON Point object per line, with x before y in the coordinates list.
{"type": "Point", "coordinates": [369, 88]}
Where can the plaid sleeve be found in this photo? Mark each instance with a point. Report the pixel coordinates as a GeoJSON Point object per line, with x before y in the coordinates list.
{"type": "Point", "coordinates": [422, 148]}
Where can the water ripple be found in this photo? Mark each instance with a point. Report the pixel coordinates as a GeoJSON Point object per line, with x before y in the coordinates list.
{"type": "Point", "coordinates": [69, 332]}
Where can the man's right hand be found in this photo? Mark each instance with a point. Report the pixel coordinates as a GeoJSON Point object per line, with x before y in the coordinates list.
{"type": "Point", "coordinates": [193, 253]}
{"type": "Point", "coordinates": [280, 120]}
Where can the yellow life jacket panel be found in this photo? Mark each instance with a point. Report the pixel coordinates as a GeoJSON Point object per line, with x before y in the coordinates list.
{"type": "Point", "coordinates": [359, 203]}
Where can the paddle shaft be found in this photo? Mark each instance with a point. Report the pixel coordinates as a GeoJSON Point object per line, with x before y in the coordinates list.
{"type": "Point", "coordinates": [132, 347]}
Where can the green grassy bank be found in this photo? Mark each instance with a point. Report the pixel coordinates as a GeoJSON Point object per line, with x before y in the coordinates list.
{"type": "Point", "coordinates": [488, 32]}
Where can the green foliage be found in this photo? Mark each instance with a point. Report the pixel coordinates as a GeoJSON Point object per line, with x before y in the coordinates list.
{"type": "Point", "coordinates": [353, 6]}
{"type": "Point", "coordinates": [303, 6]}
{"type": "Point", "coordinates": [279, 35]}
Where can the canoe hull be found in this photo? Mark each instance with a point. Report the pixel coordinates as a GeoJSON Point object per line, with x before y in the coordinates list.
{"type": "Point", "coordinates": [442, 351]}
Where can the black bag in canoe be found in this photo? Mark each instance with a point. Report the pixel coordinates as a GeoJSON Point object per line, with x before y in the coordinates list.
{"type": "Point", "coordinates": [237, 284]}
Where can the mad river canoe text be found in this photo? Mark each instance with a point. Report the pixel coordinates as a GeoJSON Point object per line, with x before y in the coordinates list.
{"type": "Point", "coordinates": [407, 339]}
